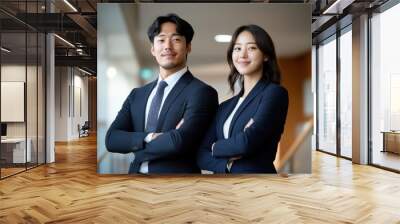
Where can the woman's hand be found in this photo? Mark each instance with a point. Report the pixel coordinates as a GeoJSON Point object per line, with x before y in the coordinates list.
{"type": "Point", "coordinates": [180, 124]}
{"type": "Point", "coordinates": [251, 121]}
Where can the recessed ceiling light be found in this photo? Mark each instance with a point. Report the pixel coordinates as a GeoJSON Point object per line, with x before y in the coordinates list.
{"type": "Point", "coordinates": [223, 38]}
{"type": "Point", "coordinates": [84, 71]}
{"type": "Point", "coordinates": [5, 49]}
{"type": "Point", "coordinates": [70, 5]}
{"type": "Point", "coordinates": [111, 72]}
{"type": "Point", "coordinates": [64, 40]}
{"type": "Point", "coordinates": [337, 7]}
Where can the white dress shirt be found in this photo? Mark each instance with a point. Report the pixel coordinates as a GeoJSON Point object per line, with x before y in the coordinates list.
{"type": "Point", "coordinates": [171, 80]}
{"type": "Point", "coordinates": [228, 121]}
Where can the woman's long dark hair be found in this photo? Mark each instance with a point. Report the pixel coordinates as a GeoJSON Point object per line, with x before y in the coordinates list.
{"type": "Point", "coordinates": [271, 71]}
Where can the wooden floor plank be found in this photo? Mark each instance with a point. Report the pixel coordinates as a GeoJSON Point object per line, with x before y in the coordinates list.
{"type": "Point", "coordinates": [70, 191]}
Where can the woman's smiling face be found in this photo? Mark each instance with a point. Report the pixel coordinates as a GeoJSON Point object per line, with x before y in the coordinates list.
{"type": "Point", "coordinates": [246, 56]}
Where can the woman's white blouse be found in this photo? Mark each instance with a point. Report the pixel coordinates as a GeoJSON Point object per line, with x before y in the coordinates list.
{"type": "Point", "coordinates": [228, 121]}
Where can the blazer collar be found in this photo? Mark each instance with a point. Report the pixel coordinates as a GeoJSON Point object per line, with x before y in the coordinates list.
{"type": "Point", "coordinates": [257, 89]}
{"type": "Point", "coordinates": [173, 78]}
{"type": "Point", "coordinates": [182, 83]}
{"type": "Point", "coordinates": [226, 111]}
{"type": "Point", "coordinates": [141, 104]}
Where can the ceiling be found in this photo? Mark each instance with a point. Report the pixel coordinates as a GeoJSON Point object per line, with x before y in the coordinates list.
{"type": "Point", "coordinates": [80, 28]}
{"type": "Point", "coordinates": [292, 35]}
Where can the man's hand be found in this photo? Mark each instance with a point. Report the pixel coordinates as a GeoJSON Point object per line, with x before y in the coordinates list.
{"type": "Point", "coordinates": [230, 162]}
{"type": "Point", "coordinates": [206, 172]}
{"type": "Point", "coordinates": [251, 121]}
{"type": "Point", "coordinates": [155, 135]}
{"type": "Point", "coordinates": [180, 123]}
{"type": "Point", "coordinates": [235, 158]}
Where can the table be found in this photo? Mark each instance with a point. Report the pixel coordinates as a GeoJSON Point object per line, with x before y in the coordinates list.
{"type": "Point", "coordinates": [13, 150]}
{"type": "Point", "coordinates": [391, 141]}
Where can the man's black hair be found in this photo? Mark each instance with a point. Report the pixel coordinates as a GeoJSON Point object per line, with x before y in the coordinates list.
{"type": "Point", "coordinates": [182, 27]}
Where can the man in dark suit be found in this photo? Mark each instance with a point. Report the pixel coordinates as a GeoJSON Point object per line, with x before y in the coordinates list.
{"type": "Point", "coordinates": [163, 122]}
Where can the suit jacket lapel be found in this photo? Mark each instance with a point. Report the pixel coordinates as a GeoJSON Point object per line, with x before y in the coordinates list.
{"type": "Point", "coordinates": [179, 86]}
{"type": "Point", "coordinates": [258, 88]}
{"type": "Point", "coordinates": [141, 104]}
{"type": "Point", "coordinates": [225, 112]}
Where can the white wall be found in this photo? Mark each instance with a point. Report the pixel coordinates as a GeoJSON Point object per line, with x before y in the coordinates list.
{"type": "Point", "coordinates": [61, 103]}
{"type": "Point", "coordinates": [14, 73]}
{"type": "Point", "coordinates": [216, 75]}
{"type": "Point", "coordinates": [17, 73]}
{"type": "Point", "coordinates": [80, 103]}
{"type": "Point", "coordinates": [70, 84]}
{"type": "Point", "coordinates": [33, 126]}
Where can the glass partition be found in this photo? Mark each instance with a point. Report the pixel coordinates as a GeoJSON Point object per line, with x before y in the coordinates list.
{"type": "Point", "coordinates": [13, 107]}
{"type": "Point", "coordinates": [327, 95]}
{"type": "Point", "coordinates": [31, 100]}
{"type": "Point", "coordinates": [22, 88]}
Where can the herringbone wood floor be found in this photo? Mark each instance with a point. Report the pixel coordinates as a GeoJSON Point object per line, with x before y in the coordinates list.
{"type": "Point", "coordinates": [70, 191]}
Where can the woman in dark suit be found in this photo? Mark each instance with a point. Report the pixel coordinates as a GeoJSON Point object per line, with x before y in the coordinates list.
{"type": "Point", "coordinates": [245, 133]}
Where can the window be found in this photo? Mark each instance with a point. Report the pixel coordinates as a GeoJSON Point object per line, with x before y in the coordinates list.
{"type": "Point", "coordinates": [346, 92]}
{"type": "Point", "coordinates": [385, 88]}
{"type": "Point", "coordinates": [327, 96]}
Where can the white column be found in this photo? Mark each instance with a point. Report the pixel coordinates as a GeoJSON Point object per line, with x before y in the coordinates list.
{"type": "Point", "coordinates": [50, 99]}
{"type": "Point", "coordinates": [314, 95]}
{"type": "Point", "coordinates": [50, 92]}
{"type": "Point", "coordinates": [360, 90]}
